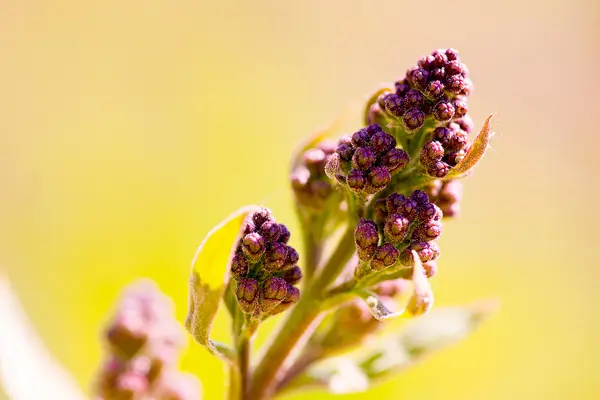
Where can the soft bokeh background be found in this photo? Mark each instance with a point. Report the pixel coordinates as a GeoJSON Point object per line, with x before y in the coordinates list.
{"type": "Point", "coordinates": [129, 128]}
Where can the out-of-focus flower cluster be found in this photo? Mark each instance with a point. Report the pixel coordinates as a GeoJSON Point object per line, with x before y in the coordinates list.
{"type": "Point", "coordinates": [264, 267]}
{"type": "Point", "coordinates": [400, 226]}
{"type": "Point", "coordinates": [366, 161]}
{"type": "Point", "coordinates": [446, 195]}
{"type": "Point", "coordinates": [309, 182]}
{"type": "Point", "coordinates": [144, 341]}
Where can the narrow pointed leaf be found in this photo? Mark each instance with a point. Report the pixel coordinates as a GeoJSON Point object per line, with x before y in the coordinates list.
{"type": "Point", "coordinates": [209, 278]}
{"type": "Point", "coordinates": [475, 152]}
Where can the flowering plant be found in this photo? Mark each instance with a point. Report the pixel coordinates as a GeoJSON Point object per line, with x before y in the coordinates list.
{"type": "Point", "coordinates": [371, 206]}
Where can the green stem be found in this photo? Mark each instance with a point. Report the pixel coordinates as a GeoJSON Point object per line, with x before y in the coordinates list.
{"type": "Point", "coordinates": [299, 321]}
{"type": "Point", "coordinates": [235, 385]}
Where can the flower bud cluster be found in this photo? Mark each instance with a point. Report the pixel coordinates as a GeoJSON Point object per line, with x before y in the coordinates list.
{"type": "Point", "coordinates": [264, 267]}
{"type": "Point", "coordinates": [310, 185]}
{"type": "Point", "coordinates": [446, 148]}
{"type": "Point", "coordinates": [400, 226]}
{"type": "Point", "coordinates": [436, 88]}
{"type": "Point", "coordinates": [446, 195]}
{"type": "Point", "coordinates": [368, 159]}
{"type": "Point", "coordinates": [144, 341]}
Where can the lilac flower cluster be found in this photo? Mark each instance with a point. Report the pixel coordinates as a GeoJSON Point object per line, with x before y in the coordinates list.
{"type": "Point", "coordinates": [400, 225]}
{"type": "Point", "coordinates": [311, 186]}
{"type": "Point", "coordinates": [264, 267]}
{"type": "Point", "coordinates": [144, 341]}
{"type": "Point", "coordinates": [435, 88]}
{"type": "Point", "coordinates": [368, 159]}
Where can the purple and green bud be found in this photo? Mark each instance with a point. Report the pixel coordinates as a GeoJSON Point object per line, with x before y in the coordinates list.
{"type": "Point", "coordinates": [253, 246]}
{"type": "Point", "coordinates": [366, 238]}
{"type": "Point", "coordinates": [273, 292]}
{"type": "Point", "coordinates": [246, 294]}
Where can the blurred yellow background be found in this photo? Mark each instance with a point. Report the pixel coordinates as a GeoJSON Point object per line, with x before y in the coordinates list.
{"type": "Point", "coordinates": [129, 128]}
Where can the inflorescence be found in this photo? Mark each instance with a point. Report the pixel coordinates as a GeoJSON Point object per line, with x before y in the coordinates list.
{"type": "Point", "coordinates": [264, 267]}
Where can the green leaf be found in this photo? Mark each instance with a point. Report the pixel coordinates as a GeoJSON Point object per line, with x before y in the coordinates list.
{"type": "Point", "coordinates": [475, 152]}
{"type": "Point", "coordinates": [209, 279]}
{"type": "Point", "coordinates": [420, 337]}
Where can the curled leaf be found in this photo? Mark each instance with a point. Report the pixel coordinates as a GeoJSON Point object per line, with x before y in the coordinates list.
{"type": "Point", "coordinates": [475, 152]}
{"type": "Point", "coordinates": [209, 278]}
{"type": "Point", "coordinates": [27, 369]}
{"type": "Point", "coordinates": [378, 310]}
{"type": "Point", "coordinates": [421, 300]}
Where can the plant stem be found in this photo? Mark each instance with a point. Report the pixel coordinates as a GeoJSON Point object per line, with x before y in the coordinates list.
{"type": "Point", "coordinates": [234, 386]}
{"type": "Point", "coordinates": [300, 319]}
{"type": "Point", "coordinates": [244, 347]}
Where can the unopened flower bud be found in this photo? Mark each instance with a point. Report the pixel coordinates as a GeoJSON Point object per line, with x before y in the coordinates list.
{"type": "Point", "coordinates": [361, 138]}
{"type": "Point", "coordinates": [439, 59]}
{"type": "Point", "coordinates": [366, 238]}
{"type": "Point", "coordinates": [392, 104]}
{"type": "Point", "coordinates": [253, 246]}
{"type": "Point", "coordinates": [246, 294]}
{"type": "Point", "coordinates": [452, 54]}
{"type": "Point", "coordinates": [363, 158]}
{"type": "Point", "coordinates": [443, 135]}
{"type": "Point", "coordinates": [273, 292]}
{"type": "Point", "coordinates": [284, 235]}
{"type": "Point", "coordinates": [396, 228]}
{"type": "Point", "coordinates": [292, 297]}
{"type": "Point", "coordinates": [270, 230]}
{"type": "Point", "coordinates": [430, 268]}
{"type": "Point", "coordinates": [356, 180]}
{"type": "Point", "coordinates": [426, 251]}
{"type": "Point", "coordinates": [395, 160]}
{"type": "Point", "coordinates": [413, 99]}
{"type": "Point", "coordinates": [382, 142]}
{"type": "Point", "coordinates": [239, 266]}
{"type": "Point", "coordinates": [402, 87]}
{"type": "Point", "coordinates": [276, 256]}
{"type": "Point", "coordinates": [418, 77]}
{"type": "Point", "coordinates": [413, 119]}
{"type": "Point", "coordinates": [432, 152]}
{"type": "Point", "coordinates": [378, 179]}
{"type": "Point", "coordinates": [443, 111]}
{"type": "Point", "coordinates": [456, 84]}
{"type": "Point", "coordinates": [291, 259]}
{"type": "Point", "coordinates": [345, 149]}
{"type": "Point", "coordinates": [292, 276]}
{"type": "Point", "coordinates": [434, 89]}
{"type": "Point", "coordinates": [458, 141]}
{"type": "Point", "coordinates": [385, 257]}
{"type": "Point", "coordinates": [452, 158]}
{"type": "Point", "coordinates": [315, 160]}
{"type": "Point", "coordinates": [420, 197]}
{"type": "Point", "coordinates": [260, 217]}
{"type": "Point", "coordinates": [465, 123]}
{"type": "Point", "coordinates": [380, 211]}
{"type": "Point", "coordinates": [461, 107]}
{"type": "Point", "coordinates": [430, 212]}
{"type": "Point", "coordinates": [439, 169]}
{"type": "Point", "coordinates": [428, 231]}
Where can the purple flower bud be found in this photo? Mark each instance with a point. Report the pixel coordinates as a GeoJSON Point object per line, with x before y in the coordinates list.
{"type": "Point", "coordinates": [428, 231]}
{"type": "Point", "coordinates": [468, 87]}
{"type": "Point", "coordinates": [395, 160]}
{"type": "Point", "coordinates": [454, 68]}
{"type": "Point", "coordinates": [408, 208]}
{"type": "Point", "coordinates": [292, 276]}
{"type": "Point", "coordinates": [413, 119]}
{"type": "Point", "coordinates": [361, 138]}
{"type": "Point", "coordinates": [366, 239]}
{"type": "Point", "coordinates": [356, 180]}
{"type": "Point", "coordinates": [452, 158]}
{"type": "Point", "coordinates": [392, 104]}
{"type": "Point", "coordinates": [443, 135]}
{"type": "Point", "coordinates": [420, 197]}
{"type": "Point", "coordinates": [292, 258]}
{"type": "Point", "coordinates": [394, 202]}
{"type": "Point", "coordinates": [293, 295]}
{"type": "Point", "coordinates": [270, 231]}
{"type": "Point", "coordinates": [443, 111]}
{"type": "Point", "coordinates": [284, 235]}
{"type": "Point", "coordinates": [438, 170]}
{"type": "Point", "coordinates": [438, 73]}
{"type": "Point", "coordinates": [461, 107]}
{"type": "Point", "coordinates": [363, 158]}
{"type": "Point", "coordinates": [260, 217]}
{"type": "Point", "coordinates": [465, 123]}
{"type": "Point", "coordinates": [439, 59]}
{"type": "Point", "coordinates": [459, 141]}
{"type": "Point", "coordinates": [249, 227]}
{"type": "Point", "coordinates": [452, 54]}
{"type": "Point", "coordinates": [418, 77]}
{"type": "Point", "coordinates": [430, 212]}
{"type": "Point", "coordinates": [315, 160]}
{"type": "Point", "coordinates": [423, 249]}
{"type": "Point", "coordinates": [276, 256]}
{"type": "Point", "coordinates": [385, 257]}
{"type": "Point", "coordinates": [253, 246]}
{"type": "Point", "coordinates": [425, 62]}
{"type": "Point", "coordinates": [396, 228]}
{"type": "Point", "coordinates": [456, 84]}
{"type": "Point", "coordinates": [402, 87]}
{"type": "Point", "coordinates": [246, 294]}
{"type": "Point", "coordinates": [345, 149]}
{"type": "Point", "coordinates": [382, 142]}
{"type": "Point", "coordinates": [434, 89]}
{"type": "Point", "coordinates": [273, 292]}
{"type": "Point", "coordinates": [239, 266]}
{"type": "Point", "coordinates": [372, 129]}
{"type": "Point", "coordinates": [413, 99]}
{"type": "Point", "coordinates": [430, 268]}
{"type": "Point", "coordinates": [431, 153]}
{"type": "Point", "coordinates": [378, 179]}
